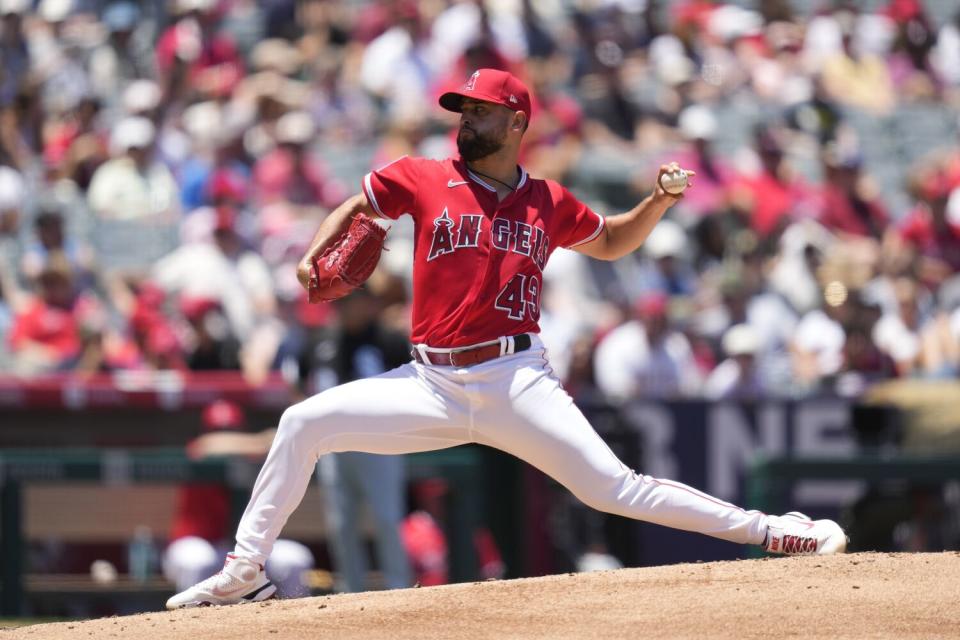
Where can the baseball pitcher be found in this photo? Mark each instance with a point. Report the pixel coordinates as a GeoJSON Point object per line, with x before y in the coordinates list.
{"type": "Point", "coordinates": [484, 231]}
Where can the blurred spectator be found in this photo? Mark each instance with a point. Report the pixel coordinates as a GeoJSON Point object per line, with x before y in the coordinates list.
{"type": "Point", "coordinates": [13, 49]}
{"type": "Point", "coordinates": [133, 185]}
{"type": "Point", "coordinates": [864, 362]}
{"type": "Point", "coordinates": [554, 141]}
{"type": "Point", "coordinates": [820, 338]}
{"type": "Point", "coordinates": [773, 194]}
{"type": "Point", "coordinates": [941, 335]}
{"type": "Point", "coordinates": [613, 118]}
{"type": "Point", "coordinates": [142, 98]}
{"type": "Point", "coordinates": [127, 116]}
{"type": "Point", "coordinates": [51, 241]}
{"type": "Point", "coordinates": [225, 270]}
{"type": "Point", "coordinates": [698, 126]}
{"type": "Point", "coordinates": [48, 333]}
{"type": "Point", "coordinates": [194, 55]}
{"type": "Point", "coordinates": [56, 58]}
{"type": "Point", "coordinates": [795, 270]}
{"type": "Point", "coordinates": [932, 228]}
{"type": "Point", "coordinates": [911, 67]}
{"type": "Point", "coordinates": [221, 268]}
{"type": "Point", "coordinates": [122, 57]}
{"type": "Point", "coordinates": [747, 299]}
{"type": "Point", "coordinates": [360, 347]}
{"type": "Point", "coordinates": [945, 57]}
{"type": "Point", "coordinates": [6, 322]}
{"type": "Point", "coordinates": [898, 334]}
{"type": "Point", "coordinates": [11, 209]}
{"type": "Point", "coordinates": [854, 75]}
{"type": "Point", "coordinates": [737, 377]}
{"type": "Point", "coordinates": [152, 332]}
{"type": "Point", "coordinates": [819, 116]}
{"type": "Point", "coordinates": [397, 66]}
{"type": "Point", "coordinates": [74, 147]}
{"type": "Point", "coordinates": [201, 533]}
{"type": "Point", "coordinates": [646, 357]}
{"type": "Point", "coordinates": [580, 381]}
{"type": "Point", "coordinates": [289, 173]}
{"type": "Point", "coordinates": [850, 201]}
{"type": "Point", "coordinates": [668, 270]}
{"type": "Point", "coordinates": [210, 345]}
{"type": "Point", "coordinates": [423, 537]}
{"type": "Point", "coordinates": [218, 172]}
{"type": "Point", "coordinates": [662, 265]}
{"type": "Point", "coordinates": [426, 543]}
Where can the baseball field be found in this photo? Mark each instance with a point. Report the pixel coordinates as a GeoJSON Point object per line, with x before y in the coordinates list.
{"type": "Point", "coordinates": [867, 595]}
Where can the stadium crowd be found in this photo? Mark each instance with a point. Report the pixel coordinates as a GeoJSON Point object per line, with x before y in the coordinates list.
{"type": "Point", "coordinates": [164, 164]}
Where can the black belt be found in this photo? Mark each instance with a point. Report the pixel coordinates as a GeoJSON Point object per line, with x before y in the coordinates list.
{"type": "Point", "coordinates": [471, 355]}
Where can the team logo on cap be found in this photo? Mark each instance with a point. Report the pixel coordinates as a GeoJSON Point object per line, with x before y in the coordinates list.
{"type": "Point", "coordinates": [472, 82]}
{"type": "Point", "coordinates": [513, 98]}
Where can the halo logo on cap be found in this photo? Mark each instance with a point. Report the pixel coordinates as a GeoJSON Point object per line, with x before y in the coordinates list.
{"type": "Point", "coordinates": [472, 82]}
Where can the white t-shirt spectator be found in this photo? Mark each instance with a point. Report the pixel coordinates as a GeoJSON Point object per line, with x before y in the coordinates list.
{"type": "Point", "coordinates": [242, 285]}
{"type": "Point", "coordinates": [628, 366]}
{"type": "Point", "coordinates": [896, 339]}
{"type": "Point", "coordinates": [945, 57]}
{"type": "Point", "coordinates": [817, 333]}
{"type": "Point", "coordinates": [118, 191]}
{"type": "Point", "coordinates": [399, 70]}
{"type": "Point", "coordinates": [727, 381]}
{"type": "Point", "coordinates": [773, 320]}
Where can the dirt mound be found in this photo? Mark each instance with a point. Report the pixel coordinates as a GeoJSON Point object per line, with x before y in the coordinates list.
{"type": "Point", "coordinates": [852, 596]}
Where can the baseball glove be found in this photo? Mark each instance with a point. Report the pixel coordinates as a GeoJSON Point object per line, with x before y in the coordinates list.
{"type": "Point", "coordinates": [348, 262]}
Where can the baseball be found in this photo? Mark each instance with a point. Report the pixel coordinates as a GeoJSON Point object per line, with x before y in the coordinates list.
{"type": "Point", "coordinates": [674, 182]}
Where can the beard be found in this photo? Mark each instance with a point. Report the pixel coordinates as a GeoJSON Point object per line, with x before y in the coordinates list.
{"type": "Point", "coordinates": [478, 145]}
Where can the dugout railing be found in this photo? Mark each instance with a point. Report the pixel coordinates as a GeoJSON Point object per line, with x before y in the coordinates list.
{"type": "Point", "coordinates": [770, 479]}
{"type": "Point", "coordinates": [459, 467]}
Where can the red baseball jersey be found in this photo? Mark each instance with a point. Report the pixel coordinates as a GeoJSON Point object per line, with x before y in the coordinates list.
{"type": "Point", "coordinates": [478, 262]}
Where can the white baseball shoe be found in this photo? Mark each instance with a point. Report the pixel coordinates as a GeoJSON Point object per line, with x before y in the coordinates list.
{"type": "Point", "coordinates": [796, 534]}
{"type": "Point", "coordinates": [239, 581]}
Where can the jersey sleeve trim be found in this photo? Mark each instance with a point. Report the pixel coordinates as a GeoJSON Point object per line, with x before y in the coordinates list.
{"type": "Point", "coordinates": [368, 190]}
{"type": "Point", "coordinates": [592, 236]}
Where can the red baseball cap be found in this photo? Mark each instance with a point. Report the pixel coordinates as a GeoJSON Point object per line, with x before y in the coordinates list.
{"type": "Point", "coordinates": [652, 304]}
{"type": "Point", "coordinates": [490, 85]}
{"type": "Point", "coordinates": [195, 307]}
{"type": "Point", "coordinates": [223, 414]}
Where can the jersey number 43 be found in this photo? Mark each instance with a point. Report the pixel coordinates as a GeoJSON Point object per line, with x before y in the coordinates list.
{"type": "Point", "coordinates": [520, 298]}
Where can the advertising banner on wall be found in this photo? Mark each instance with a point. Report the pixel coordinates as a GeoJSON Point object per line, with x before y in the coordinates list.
{"type": "Point", "coordinates": [711, 446]}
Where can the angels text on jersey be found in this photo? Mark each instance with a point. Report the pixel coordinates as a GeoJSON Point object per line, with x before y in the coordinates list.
{"type": "Point", "coordinates": [505, 235]}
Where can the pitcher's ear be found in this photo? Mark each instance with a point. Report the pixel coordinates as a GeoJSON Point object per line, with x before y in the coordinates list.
{"type": "Point", "coordinates": [520, 121]}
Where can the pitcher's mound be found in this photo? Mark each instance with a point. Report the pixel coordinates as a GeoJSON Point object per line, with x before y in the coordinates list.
{"type": "Point", "coordinates": [853, 596]}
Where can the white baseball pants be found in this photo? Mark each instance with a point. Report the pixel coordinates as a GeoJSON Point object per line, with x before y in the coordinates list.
{"type": "Point", "coordinates": [514, 403]}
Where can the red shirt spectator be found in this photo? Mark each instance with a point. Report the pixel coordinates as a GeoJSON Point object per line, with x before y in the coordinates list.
{"type": "Point", "coordinates": [847, 204]}
{"type": "Point", "coordinates": [850, 214]}
{"type": "Point", "coordinates": [54, 328]}
{"type": "Point", "coordinates": [153, 333]}
{"type": "Point", "coordinates": [772, 200]}
{"type": "Point", "coordinates": [698, 126]}
{"type": "Point", "coordinates": [931, 234]}
{"type": "Point", "coordinates": [278, 177]}
{"type": "Point", "coordinates": [774, 195]}
{"type": "Point", "coordinates": [211, 59]}
{"type": "Point", "coordinates": [203, 510]}
{"type": "Point", "coordinates": [53, 321]}
{"type": "Point", "coordinates": [290, 173]}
